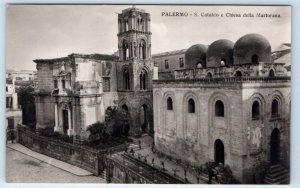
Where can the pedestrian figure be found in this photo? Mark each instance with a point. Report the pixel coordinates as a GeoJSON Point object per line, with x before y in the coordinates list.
{"type": "Point", "coordinates": [140, 144]}
{"type": "Point", "coordinates": [153, 160]}
{"type": "Point", "coordinates": [152, 147]}
{"type": "Point", "coordinates": [12, 136]}
{"type": "Point", "coordinates": [198, 180]}
{"type": "Point", "coordinates": [184, 169]}
{"type": "Point", "coordinates": [131, 151]}
{"type": "Point", "coordinates": [163, 165]}
{"type": "Point", "coordinates": [212, 172]}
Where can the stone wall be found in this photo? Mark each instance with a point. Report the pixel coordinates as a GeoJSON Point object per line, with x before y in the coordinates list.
{"type": "Point", "coordinates": [134, 101]}
{"type": "Point", "coordinates": [88, 159]}
{"type": "Point", "coordinates": [191, 137]}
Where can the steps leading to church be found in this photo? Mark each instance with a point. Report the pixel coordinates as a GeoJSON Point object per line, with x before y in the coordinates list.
{"type": "Point", "coordinates": [277, 174]}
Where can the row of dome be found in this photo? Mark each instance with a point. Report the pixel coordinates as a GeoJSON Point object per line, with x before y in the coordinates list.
{"type": "Point", "coordinates": [251, 48]}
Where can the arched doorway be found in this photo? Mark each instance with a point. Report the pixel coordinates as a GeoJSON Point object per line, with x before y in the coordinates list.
{"type": "Point", "coordinates": [144, 118]}
{"type": "Point", "coordinates": [219, 151]}
{"type": "Point", "coordinates": [271, 73]}
{"type": "Point", "coordinates": [126, 125]}
{"type": "Point", "coordinates": [125, 107]}
{"type": "Point", "coordinates": [275, 146]}
{"type": "Point", "coordinates": [65, 121]}
{"type": "Point", "coordinates": [238, 74]}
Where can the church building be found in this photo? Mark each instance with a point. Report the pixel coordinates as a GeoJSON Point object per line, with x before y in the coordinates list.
{"type": "Point", "coordinates": [73, 92]}
{"type": "Point", "coordinates": [230, 105]}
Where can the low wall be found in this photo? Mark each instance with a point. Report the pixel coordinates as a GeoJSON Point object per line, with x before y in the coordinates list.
{"type": "Point", "coordinates": [77, 155]}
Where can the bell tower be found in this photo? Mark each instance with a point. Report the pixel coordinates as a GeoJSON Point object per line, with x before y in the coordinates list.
{"type": "Point", "coordinates": [135, 69]}
{"type": "Point", "coordinates": [134, 36]}
{"type": "Point", "coordinates": [135, 65]}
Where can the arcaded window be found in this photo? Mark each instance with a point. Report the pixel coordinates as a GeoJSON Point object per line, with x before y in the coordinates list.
{"type": "Point", "coordinates": [199, 65]}
{"type": "Point", "coordinates": [255, 110]}
{"type": "Point", "coordinates": [275, 108]}
{"type": "Point", "coordinates": [169, 103]}
{"type": "Point", "coordinates": [223, 62]}
{"type": "Point", "coordinates": [271, 73]}
{"type": "Point", "coordinates": [219, 109]}
{"type": "Point", "coordinates": [126, 79]}
{"type": "Point", "coordinates": [191, 106]}
{"type": "Point", "coordinates": [254, 59]}
{"type": "Point", "coordinates": [55, 84]}
{"type": "Point", "coordinates": [238, 74]}
{"type": "Point", "coordinates": [209, 75]}
{"type": "Point", "coordinates": [63, 83]}
{"type": "Point", "coordinates": [143, 80]}
{"type": "Point", "coordinates": [166, 64]}
{"type": "Point", "coordinates": [181, 64]}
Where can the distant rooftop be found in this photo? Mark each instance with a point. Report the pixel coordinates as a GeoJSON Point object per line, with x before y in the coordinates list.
{"type": "Point", "coordinates": [170, 53]}
{"type": "Point", "coordinates": [88, 56]}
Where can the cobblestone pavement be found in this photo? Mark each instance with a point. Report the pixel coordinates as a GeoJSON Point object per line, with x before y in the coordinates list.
{"type": "Point", "coordinates": [21, 168]}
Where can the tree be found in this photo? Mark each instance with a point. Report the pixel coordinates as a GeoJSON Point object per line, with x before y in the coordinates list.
{"type": "Point", "coordinates": [98, 133]}
{"type": "Point", "coordinates": [27, 101]}
{"type": "Point", "coordinates": [117, 120]}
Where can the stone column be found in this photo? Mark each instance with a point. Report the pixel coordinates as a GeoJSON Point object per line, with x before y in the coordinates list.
{"type": "Point", "coordinates": [56, 128]}
{"type": "Point", "coordinates": [70, 128]}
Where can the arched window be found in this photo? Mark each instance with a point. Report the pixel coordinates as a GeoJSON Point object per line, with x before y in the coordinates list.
{"type": "Point", "coordinates": [271, 73]}
{"type": "Point", "coordinates": [125, 50]}
{"type": "Point", "coordinates": [126, 78]}
{"type": "Point", "coordinates": [209, 75]}
{"type": "Point", "coordinates": [199, 65]}
{"type": "Point", "coordinates": [254, 59]}
{"type": "Point", "coordinates": [63, 83]}
{"type": "Point", "coordinates": [169, 104]}
{"type": "Point", "coordinates": [143, 80]}
{"type": "Point", "coordinates": [255, 110]}
{"type": "Point", "coordinates": [238, 74]}
{"type": "Point", "coordinates": [219, 109]}
{"type": "Point", "coordinates": [275, 108]}
{"type": "Point", "coordinates": [223, 62]}
{"type": "Point", "coordinates": [191, 106]}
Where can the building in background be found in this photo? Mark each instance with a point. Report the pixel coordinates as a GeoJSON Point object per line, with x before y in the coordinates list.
{"type": "Point", "coordinates": [24, 75]}
{"type": "Point", "coordinates": [167, 62]}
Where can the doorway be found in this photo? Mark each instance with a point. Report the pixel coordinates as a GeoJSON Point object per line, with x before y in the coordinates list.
{"type": "Point", "coordinates": [144, 118]}
{"type": "Point", "coordinates": [65, 121]}
{"type": "Point", "coordinates": [275, 146]}
{"type": "Point", "coordinates": [219, 151]}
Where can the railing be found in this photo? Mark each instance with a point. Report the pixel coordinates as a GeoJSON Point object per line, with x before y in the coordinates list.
{"type": "Point", "coordinates": [227, 79]}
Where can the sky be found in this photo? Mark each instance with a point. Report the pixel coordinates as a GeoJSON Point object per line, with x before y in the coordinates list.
{"type": "Point", "coordinates": [51, 31]}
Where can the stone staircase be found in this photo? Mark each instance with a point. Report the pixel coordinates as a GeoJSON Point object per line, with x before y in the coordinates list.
{"type": "Point", "coordinates": [204, 177]}
{"type": "Point", "coordinates": [277, 174]}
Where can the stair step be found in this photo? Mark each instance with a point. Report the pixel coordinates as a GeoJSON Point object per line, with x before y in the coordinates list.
{"type": "Point", "coordinates": [205, 178]}
{"type": "Point", "coordinates": [274, 170]}
{"type": "Point", "coordinates": [275, 166]}
{"type": "Point", "coordinates": [277, 174]}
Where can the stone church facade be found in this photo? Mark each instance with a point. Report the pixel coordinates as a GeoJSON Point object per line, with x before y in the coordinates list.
{"type": "Point", "coordinates": [74, 92]}
{"type": "Point", "coordinates": [230, 105]}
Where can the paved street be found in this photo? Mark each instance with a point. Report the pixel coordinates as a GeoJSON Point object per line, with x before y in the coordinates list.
{"type": "Point", "coordinates": [21, 168]}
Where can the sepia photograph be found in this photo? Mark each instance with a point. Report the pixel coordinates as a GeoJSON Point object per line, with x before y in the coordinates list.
{"type": "Point", "coordinates": [148, 94]}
